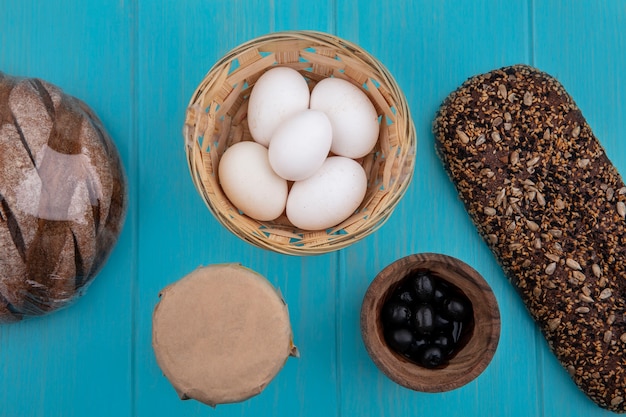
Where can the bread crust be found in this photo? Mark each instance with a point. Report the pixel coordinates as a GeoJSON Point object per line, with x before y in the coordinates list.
{"type": "Point", "coordinates": [550, 205]}
{"type": "Point", "coordinates": [62, 197]}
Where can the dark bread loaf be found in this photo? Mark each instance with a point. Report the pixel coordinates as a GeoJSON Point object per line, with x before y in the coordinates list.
{"type": "Point", "coordinates": [551, 206]}
{"type": "Point", "coordinates": [62, 197]}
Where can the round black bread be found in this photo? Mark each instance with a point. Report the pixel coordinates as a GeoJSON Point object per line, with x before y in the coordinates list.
{"type": "Point", "coordinates": [62, 197]}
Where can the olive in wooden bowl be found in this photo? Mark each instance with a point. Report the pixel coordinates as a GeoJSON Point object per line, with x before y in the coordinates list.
{"type": "Point", "coordinates": [430, 322]}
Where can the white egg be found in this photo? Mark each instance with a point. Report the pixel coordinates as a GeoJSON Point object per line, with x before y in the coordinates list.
{"type": "Point", "coordinates": [300, 145]}
{"type": "Point", "coordinates": [352, 116]}
{"type": "Point", "coordinates": [250, 183]}
{"type": "Point", "coordinates": [329, 196]}
{"type": "Point", "coordinates": [278, 94]}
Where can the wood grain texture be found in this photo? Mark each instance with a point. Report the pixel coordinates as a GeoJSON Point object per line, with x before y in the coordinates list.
{"type": "Point", "coordinates": [137, 62]}
{"type": "Point", "coordinates": [584, 48]}
{"type": "Point", "coordinates": [474, 351]}
{"type": "Point", "coordinates": [446, 43]}
{"type": "Point", "coordinates": [79, 359]}
{"type": "Point", "coordinates": [179, 233]}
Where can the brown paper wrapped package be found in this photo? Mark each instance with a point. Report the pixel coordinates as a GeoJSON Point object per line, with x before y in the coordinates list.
{"type": "Point", "coordinates": [62, 197]}
{"type": "Point", "coordinates": [221, 334]}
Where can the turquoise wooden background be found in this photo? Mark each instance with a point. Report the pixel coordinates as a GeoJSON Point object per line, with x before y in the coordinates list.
{"type": "Point", "coordinates": [138, 62]}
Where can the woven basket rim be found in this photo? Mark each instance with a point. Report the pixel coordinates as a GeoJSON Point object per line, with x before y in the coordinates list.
{"type": "Point", "coordinates": [283, 238]}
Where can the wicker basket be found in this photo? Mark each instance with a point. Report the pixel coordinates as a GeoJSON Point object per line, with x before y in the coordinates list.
{"type": "Point", "coordinates": [216, 119]}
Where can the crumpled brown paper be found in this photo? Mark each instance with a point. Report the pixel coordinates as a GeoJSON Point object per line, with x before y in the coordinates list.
{"type": "Point", "coordinates": [221, 334]}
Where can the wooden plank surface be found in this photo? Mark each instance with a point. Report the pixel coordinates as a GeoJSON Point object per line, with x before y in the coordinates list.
{"type": "Point", "coordinates": [188, 41]}
{"type": "Point", "coordinates": [77, 362]}
{"type": "Point", "coordinates": [585, 47]}
{"type": "Point", "coordinates": [435, 48]}
{"type": "Point", "coordinates": [138, 62]}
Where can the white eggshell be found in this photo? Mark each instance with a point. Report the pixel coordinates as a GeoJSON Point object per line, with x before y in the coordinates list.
{"type": "Point", "coordinates": [352, 116]}
{"type": "Point", "coordinates": [250, 183]}
{"type": "Point", "coordinates": [300, 145]}
{"type": "Point", "coordinates": [329, 196]}
{"type": "Point", "coordinates": [278, 94]}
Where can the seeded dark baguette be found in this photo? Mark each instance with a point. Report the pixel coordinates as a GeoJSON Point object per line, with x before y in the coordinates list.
{"type": "Point", "coordinates": [551, 206]}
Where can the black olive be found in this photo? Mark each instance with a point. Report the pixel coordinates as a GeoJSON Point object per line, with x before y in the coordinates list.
{"type": "Point", "coordinates": [441, 322]}
{"type": "Point", "coordinates": [454, 309]}
{"type": "Point", "coordinates": [445, 342]}
{"type": "Point", "coordinates": [400, 339]}
{"type": "Point", "coordinates": [424, 287]}
{"type": "Point", "coordinates": [396, 313]}
{"type": "Point", "coordinates": [424, 319]}
{"type": "Point", "coordinates": [405, 296]}
{"type": "Point", "coordinates": [415, 349]}
{"type": "Point", "coordinates": [432, 356]}
{"type": "Point", "coordinates": [441, 292]}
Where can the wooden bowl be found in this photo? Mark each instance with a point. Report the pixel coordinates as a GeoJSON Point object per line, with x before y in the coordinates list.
{"type": "Point", "coordinates": [480, 343]}
{"type": "Point", "coordinates": [216, 118]}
